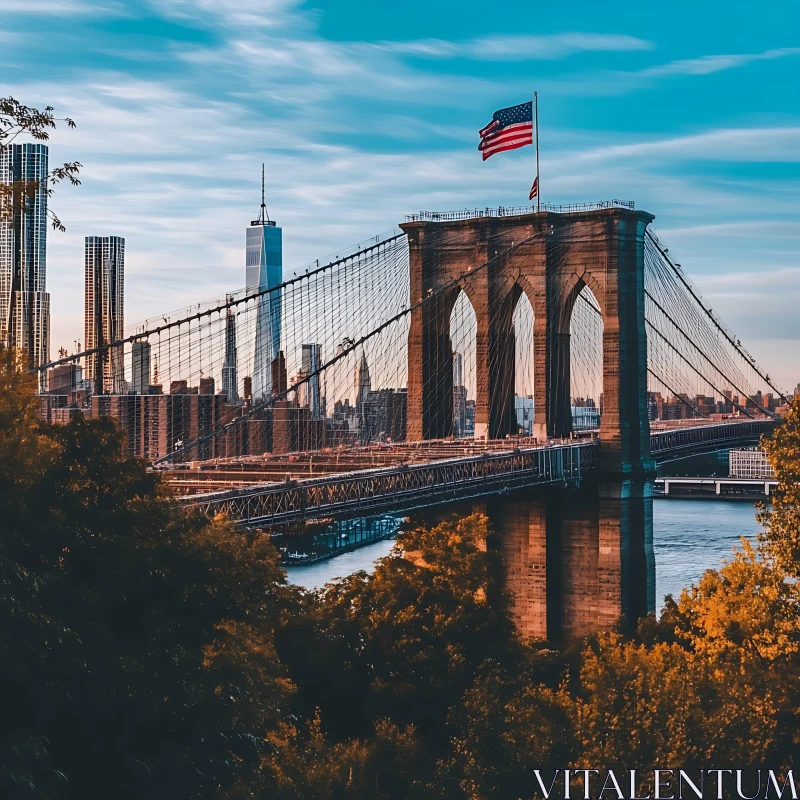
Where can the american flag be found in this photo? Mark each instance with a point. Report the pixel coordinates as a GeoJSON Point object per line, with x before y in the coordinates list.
{"type": "Point", "coordinates": [509, 129]}
{"type": "Point", "coordinates": [534, 189]}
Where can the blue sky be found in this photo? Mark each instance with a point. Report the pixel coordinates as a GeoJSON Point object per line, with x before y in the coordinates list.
{"type": "Point", "coordinates": [364, 112]}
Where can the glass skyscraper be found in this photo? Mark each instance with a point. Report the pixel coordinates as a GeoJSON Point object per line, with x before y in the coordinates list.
{"type": "Point", "coordinates": [264, 271]}
{"type": "Point", "coordinates": [24, 301]}
{"type": "Point", "coordinates": [104, 312]}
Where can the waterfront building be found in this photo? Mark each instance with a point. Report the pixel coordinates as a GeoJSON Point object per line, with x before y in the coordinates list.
{"type": "Point", "coordinates": [104, 312]}
{"type": "Point", "coordinates": [585, 417]}
{"type": "Point", "coordinates": [24, 301]}
{"type": "Point", "coordinates": [230, 381]}
{"type": "Point", "coordinates": [264, 271]}
{"type": "Point", "coordinates": [749, 462]}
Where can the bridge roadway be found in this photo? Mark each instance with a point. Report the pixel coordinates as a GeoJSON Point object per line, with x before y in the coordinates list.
{"type": "Point", "coordinates": [405, 477]}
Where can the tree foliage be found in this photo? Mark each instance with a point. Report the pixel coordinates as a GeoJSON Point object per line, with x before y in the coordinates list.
{"type": "Point", "coordinates": [150, 653]}
{"type": "Point", "coordinates": [137, 643]}
{"type": "Point", "coordinates": [782, 522]}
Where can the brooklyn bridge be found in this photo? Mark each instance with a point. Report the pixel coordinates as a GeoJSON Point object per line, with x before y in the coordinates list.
{"type": "Point", "coordinates": [495, 359]}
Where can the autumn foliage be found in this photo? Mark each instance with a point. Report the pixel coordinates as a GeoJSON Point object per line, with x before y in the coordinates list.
{"type": "Point", "coordinates": [151, 654]}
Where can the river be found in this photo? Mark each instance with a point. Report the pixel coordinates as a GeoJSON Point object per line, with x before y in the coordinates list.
{"type": "Point", "coordinates": [689, 537]}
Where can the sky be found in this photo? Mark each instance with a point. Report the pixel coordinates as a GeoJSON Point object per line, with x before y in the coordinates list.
{"type": "Point", "coordinates": [364, 112]}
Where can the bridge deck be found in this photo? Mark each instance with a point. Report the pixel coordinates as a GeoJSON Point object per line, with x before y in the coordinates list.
{"type": "Point", "coordinates": [362, 481]}
{"type": "Point", "coordinates": [400, 488]}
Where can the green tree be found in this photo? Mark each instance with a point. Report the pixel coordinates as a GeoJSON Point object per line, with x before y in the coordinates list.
{"type": "Point", "coordinates": [405, 642]}
{"type": "Point", "coordinates": [137, 642]}
{"type": "Point", "coordinates": [782, 521]}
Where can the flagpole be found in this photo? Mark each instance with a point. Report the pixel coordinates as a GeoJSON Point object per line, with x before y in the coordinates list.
{"type": "Point", "coordinates": [538, 182]}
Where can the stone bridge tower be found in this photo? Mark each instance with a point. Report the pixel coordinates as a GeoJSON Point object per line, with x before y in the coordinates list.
{"type": "Point", "coordinates": [549, 257]}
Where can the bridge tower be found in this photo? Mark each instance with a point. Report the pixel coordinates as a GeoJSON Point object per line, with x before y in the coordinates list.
{"type": "Point", "coordinates": [550, 257]}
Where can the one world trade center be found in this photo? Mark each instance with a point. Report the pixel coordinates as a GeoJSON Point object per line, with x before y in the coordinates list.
{"type": "Point", "coordinates": [264, 271]}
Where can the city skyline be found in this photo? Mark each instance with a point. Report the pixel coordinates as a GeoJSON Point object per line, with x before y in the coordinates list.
{"type": "Point", "coordinates": [696, 125]}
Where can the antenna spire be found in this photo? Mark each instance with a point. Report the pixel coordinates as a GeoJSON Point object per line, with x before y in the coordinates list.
{"type": "Point", "coordinates": [263, 216]}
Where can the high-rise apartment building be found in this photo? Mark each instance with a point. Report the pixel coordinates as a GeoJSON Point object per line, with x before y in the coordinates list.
{"type": "Point", "coordinates": [310, 364]}
{"type": "Point", "coordinates": [104, 312]}
{"type": "Point", "coordinates": [24, 301]}
{"type": "Point", "coordinates": [264, 271]}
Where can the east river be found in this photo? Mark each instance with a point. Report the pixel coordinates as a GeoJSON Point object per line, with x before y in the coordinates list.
{"type": "Point", "coordinates": [689, 537]}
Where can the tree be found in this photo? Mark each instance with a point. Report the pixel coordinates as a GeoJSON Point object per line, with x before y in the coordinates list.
{"type": "Point", "coordinates": [782, 522]}
{"type": "Point", "coordinates": [137, 653]}
{"type": "Point", "coordinates": [406, 642]}
{"type": "Point", "coordinates": [17, 119]}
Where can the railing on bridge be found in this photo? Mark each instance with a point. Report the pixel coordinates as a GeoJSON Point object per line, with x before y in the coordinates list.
{"type": "Point", "coordinates": [515, 211]}
{"type": "Point", "coordinates": [673, 444]}
{"type": "Point", "coordinates": [403, 487]}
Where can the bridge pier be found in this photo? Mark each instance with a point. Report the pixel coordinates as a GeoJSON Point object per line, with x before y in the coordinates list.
{"type": "Point", "coordinates": [576, 561]}
{"type": "Point", "coordinates": [579, 560]}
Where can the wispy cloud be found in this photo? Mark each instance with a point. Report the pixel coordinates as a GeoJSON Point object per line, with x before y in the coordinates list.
{"type": "Point", "coordinates": [501, 47]}
{"type": "Point", "coordinates": [706, 65]}
{"type": "Point", "coordinates": [251, 14]}
{"type": "Point", "coordinates": [780, 144]}
{"type": "Point", "coordinates": [57, 7]}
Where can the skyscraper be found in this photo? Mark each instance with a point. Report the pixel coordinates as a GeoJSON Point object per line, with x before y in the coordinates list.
{"type": "Point", "coordinates": [24, 302]}
{"type": "Point", "coordinates": [310, 364]}
{"type": "Point", "coordinates": [459, 396]}
{"type": "Point", "coordinates": [104, 312]}
{"type": "Point", "coordinates": [363, 384]}
{"type": "Point", "coordinates": [140, 367]}
{"type": "Point", "coordinates": [230, 381]}
{"type": "Point", "coordinates": [458, 369]}
{"type": "Point", "coordinates": [264, 271]}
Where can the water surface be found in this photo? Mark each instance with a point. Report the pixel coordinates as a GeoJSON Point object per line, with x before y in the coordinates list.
{"type": "Point", "coordinates": [689, 537]}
